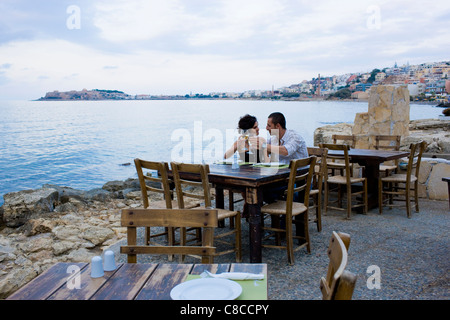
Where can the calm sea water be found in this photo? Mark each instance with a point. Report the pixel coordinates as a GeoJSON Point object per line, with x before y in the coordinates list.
{"type": "Point", "coordinates": [85, 144]}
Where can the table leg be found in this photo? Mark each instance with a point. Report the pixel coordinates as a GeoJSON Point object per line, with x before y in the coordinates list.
{"type": "Point", "coordinates": [372, 173]}
{"type": "Point", "coordinates": [254, 201]}
{"type": "Point", "coordinates": [220, 203]}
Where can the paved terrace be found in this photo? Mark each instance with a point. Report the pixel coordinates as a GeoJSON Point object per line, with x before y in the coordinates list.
{"type": "Point", "coordinates": [412, 254]}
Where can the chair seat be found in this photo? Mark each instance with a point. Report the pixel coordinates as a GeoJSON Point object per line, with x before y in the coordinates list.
{"type": "Point", "coordinates": [223, 213]}
{"type": "Point", "coordinates": [338, 165]}
{"type": "Point", "coordinates": [279, 207]}
{"type": "Point", "coordinates": [161, 204]}
{"type": "Point", "coordinates": [343, 180]}
{"type": "Point", "coordinates": [386, 167]}
{"type": "Point", "coordinates": [398, 178]}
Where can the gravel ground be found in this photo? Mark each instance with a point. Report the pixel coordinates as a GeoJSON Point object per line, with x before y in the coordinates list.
{"type": "Point", "coordinates": [412, 254]}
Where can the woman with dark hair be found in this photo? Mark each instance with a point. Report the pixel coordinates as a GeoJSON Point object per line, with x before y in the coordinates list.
{"type": "Point", "coordinates": [248, 127]}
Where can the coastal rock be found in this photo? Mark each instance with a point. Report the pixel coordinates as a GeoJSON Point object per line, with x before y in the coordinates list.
{"type": "Point", "coordinates": [19, 206]}
{"type": "Point", "coordinates": [323, 134]}
{"type": "Point", "coordinates": [59, 224]}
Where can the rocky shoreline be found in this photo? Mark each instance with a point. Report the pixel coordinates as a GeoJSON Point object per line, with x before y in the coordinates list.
{"type": "Point", "coordinates": [59, 224]}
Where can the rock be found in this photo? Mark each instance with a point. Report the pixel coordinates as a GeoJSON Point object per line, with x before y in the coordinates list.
{"type": "Point", "coordinates": [37, 226]}
{"type": "Point", "coordinates": [323, 134]}
{"type": "Point", "coordinates": [437, 189]}
{"type": "Point", "coordinates": [99, 195]}
{"type": "Point", "coordinates": [97, 235]}
{"type": "Point", "coordinates": [19, 206]}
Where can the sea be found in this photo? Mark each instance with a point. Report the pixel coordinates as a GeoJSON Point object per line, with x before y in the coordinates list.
{"type": "Point", "coordinates": [84, 144]}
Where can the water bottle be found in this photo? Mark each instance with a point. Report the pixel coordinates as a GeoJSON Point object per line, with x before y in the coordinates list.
{"type": "Point", "coordinates": [235, 163]}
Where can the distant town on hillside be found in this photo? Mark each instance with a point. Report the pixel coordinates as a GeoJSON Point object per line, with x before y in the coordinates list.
{"type": "Point", "coordinates": [426, 82]}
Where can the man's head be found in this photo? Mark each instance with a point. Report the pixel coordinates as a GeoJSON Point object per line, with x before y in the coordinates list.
{"type": "Point", "coordinates": [276, 121]}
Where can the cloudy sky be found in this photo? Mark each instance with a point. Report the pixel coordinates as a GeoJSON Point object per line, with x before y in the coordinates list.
{"type": "Point", "coordinates": [202, 46]}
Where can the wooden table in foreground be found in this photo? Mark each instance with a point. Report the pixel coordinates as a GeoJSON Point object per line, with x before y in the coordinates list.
{"type": "Point", "coordinates": [129, 281]}
{"type": "Point", "coordinates": [371, 160]}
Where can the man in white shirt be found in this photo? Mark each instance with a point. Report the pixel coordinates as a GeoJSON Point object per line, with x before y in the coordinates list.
{"type": "Point", "coordinates": [290, 144]}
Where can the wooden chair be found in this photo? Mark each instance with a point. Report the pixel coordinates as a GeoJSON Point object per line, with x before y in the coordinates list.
{"type": "Point", "coordinates": [196, 175]}
{"type": "Point", "coordinates": [349, 140]}
{"type": "Point", "coordinates": [158, 183]}
{"type": "Point", "coordinates": [320, 173]}
{"type": "Point", "coordinates": [339, 283]}
{"type": "Point", "coordinates": [344, 180]}
{"type": "Point", "coordinates": [335, 165]}
{"type": "Point", "coordinates": [387, 142]}
{"type": "Point", "coordinates": [170, 218]}
{"type": "Point", "coordinates": [401, 184]}
{"type": "Point", "coordinates": [290, 209]}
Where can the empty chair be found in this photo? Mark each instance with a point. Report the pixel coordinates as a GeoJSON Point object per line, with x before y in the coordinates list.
{"type": "Point", "coordinates": [349, 140]}
{"type": "Point", "coordinates": [204, 219]}
{"type": "Point", "coordinates": [188, 176]}
{"type": "Point", "coordinates": [388, 142]}
{"type": "Point", "coordinates": [339, 283]}
{"type": "Point", "coordinates": [153, 178]}
{"type": "Point", "coordinates": [344, 180]}
{"type": "Point", "coordinates": [320, 173]}
{"type": "Point", "coordinates": [401, 184]}
{"type": "Point", "coordinates": [294, 212]}
{"type": "Point", "coordinates": [333, 164]}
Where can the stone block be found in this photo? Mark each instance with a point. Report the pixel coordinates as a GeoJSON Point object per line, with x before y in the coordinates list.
{"type": "Point", "coordinates": [424, 171]}
{"type": "Point", "coordinates": [437, 189]}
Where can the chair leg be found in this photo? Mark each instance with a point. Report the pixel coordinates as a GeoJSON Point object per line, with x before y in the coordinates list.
{"type": "Point", "coordinates": [416, 194]}
{"type": "Point", "coordinates": [237, 225]}
{"type": "Point", "coordinates": [325, 200]}
{"type": "Point", "coordinates": [408, 201]}
{"type": "Point", "coordinates": [289, 242]}
{"type": "Point", "coordinates": [319, 212]}
{"type": "Point", "coordinates": [306, 228]}
{"type": "Point", "coordinates": [349, 201]}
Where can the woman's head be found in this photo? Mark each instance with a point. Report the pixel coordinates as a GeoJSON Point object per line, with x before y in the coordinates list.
{"type": "Point", "coordinates": [248, 122]}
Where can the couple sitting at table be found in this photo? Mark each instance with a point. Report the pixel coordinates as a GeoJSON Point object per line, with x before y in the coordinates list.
{"type": "Point", "coordinates": [284, 144]}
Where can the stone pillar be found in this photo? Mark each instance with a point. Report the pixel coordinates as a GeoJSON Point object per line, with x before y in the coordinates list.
{"type": "Point", "coordinates": [388, 114]}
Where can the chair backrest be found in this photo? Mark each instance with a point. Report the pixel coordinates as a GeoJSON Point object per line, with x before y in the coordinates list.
{"type": "Point", "coordinates": [194, 175]}
{"type": "Point", "coordinates": [339, 283]}
{"type": "Point", "coordinates": [415, 157]}
{"type": "Point", "coordinates": [346, 139]}
{"type": "Point", "coordinates": [149, 183]}
{"type": "Point", "coordinates": [181, 218]}
{"type": "Point", "coordinates": [386, 142]}
{"type": "Point", "coordinates": [299, 181]}
{"type": "Point", "coordinates": [342, 157]}
{"type": "Point", "coordinates": [321, 161]}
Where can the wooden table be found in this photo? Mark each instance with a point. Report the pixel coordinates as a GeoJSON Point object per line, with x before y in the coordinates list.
{"type": "Point", "coordinates": [371, 160]}
{"type": "Point", "coordinates": [130, 281]}
{"type": "Point", "coordinates": [252, 180]}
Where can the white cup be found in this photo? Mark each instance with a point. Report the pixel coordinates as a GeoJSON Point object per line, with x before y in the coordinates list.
{"type": "Point", "coordinates": [97, 267]}
{"type": "Point", "coordinates": [110, 262]}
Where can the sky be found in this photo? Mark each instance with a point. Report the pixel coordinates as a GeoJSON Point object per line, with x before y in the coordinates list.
{"type": "Point", "coordinates": [198, 46]}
